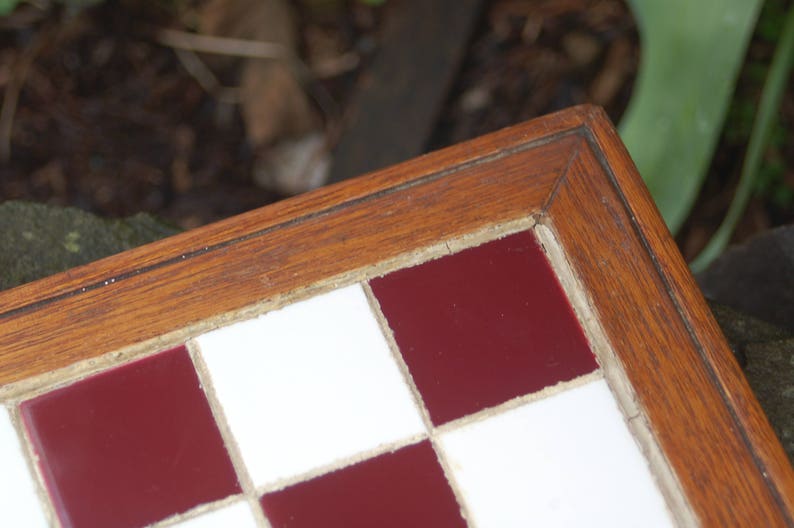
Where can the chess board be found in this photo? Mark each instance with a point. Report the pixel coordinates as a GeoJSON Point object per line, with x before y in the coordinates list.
{"type": "Point", "coordinates": [500, 334]}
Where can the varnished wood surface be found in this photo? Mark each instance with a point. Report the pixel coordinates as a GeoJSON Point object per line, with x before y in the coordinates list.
{"type": "Point", "coordinates": [749, 421]}
{"type": "Point", "coordinates": [569, 171]}
{"type": "Point", "coordinates": [253, 223]}
{"type": "Point", "coordinates": [126, 307]}
{"type": "Point", "coordinates": [676, 388]}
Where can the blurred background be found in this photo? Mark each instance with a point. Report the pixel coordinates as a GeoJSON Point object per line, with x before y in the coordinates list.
{"type": "Point", "coordinates": [120, 107]}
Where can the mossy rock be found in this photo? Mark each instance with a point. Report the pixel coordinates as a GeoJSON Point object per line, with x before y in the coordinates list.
{"type": "Point", "coordinates": [757, 277]}
{"type": "Point", "coordinates": [766, 353]}
{"type": "Point", "coordinates": [38, 240]}
{"type": "Point", "coordinates": [756, 280]}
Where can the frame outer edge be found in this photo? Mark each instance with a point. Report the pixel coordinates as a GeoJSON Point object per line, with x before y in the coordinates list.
{"type": "Point", "coordinates": [772, 460]}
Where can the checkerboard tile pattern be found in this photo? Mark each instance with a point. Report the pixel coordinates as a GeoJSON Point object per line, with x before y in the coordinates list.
{"type": "Point", "coordinates": [309, 385]}
{"type": "Point", "coordinates": [458, 392]}
{"type": "Point", "coordinates": [130, 446]}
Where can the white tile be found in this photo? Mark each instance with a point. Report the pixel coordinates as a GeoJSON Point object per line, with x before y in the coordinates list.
{"type": "Point", "coordinates": [308, 385]}
{"type": "Point", "coordinates": [567, 460]}
{"type": "Point", "coordinates": [19, 504]}
{"type": "Point", "coordinates": [238, 515]}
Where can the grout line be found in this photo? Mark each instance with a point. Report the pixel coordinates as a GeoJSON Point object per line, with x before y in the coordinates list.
{"type": "Point", "coordinates": [250, 491]}
{"type": "Point", "coordinates": [490, 233]}
{"type": "Point", "coordinates": [31, 460]}
{"type": "Point", "coordinates": [317, 214]}
{"type": "Point", "coordinates": [518, 401]}
{"type": "Point", "coordinates": [419, 402]}
{"type": "Point", "coordinates": [197, 511]}
{"type": "Point", "coordinates": [416, 396]}
{"type": "Point", "coordinates": [243, 477]}
{"type": "Point", "coordinates": [61, 377]}
{"type": "Point", "coordinates": [446, 468]}
{"type": "Point", "coordinates": [96, 366]}
{"type": "Point", "coordinates": [341, 463]}
{"type": "Point", "coordinates": [491, 412]}
{"type": "Point", "coordinates": [617, 380]}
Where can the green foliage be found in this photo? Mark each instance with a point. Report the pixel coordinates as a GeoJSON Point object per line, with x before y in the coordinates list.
{"type": "Point", "coordinates": [763, 134]}
{"type": "Point", "coordinates": [6, 6]}
{"type": "Point", "coordinates": [770, 183]}
{"type": "Point", "coordinates": [38, 240]}
{"type": "Point", "coordinates": [691, 54]}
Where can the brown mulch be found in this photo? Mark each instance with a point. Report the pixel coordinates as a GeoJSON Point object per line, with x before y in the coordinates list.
{"type": "Point", "coordinates": [532, 58]}
{"type": "Point", "coordinates": [109, 120]}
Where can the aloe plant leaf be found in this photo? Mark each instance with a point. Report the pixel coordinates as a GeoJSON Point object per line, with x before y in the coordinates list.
{"type": "Point", "coordinates": [691, 52]}
{"type": "Point", "coordinates": [765, 119]}
{"type": "Point", "coordinates": [6, 6]}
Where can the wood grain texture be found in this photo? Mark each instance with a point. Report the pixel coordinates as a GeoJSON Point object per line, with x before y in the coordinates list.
{"type": "Point", "coordinates": [253, 223]}
{"type": "Point", "coordinates": [323, 242]}
{"type": "Point", "coordinates": [726, 375]}
{"type": "Point", "coordinates": [568, 170]}
{"type": "Point", "coordinates": [675, 387]}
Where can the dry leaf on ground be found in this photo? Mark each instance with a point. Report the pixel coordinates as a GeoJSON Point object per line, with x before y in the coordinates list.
{"type": "Point", "coordinates": [273, 103]}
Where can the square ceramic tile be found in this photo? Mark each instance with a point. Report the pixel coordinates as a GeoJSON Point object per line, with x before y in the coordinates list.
{"type": "Point", "coordinates": [130, 446]}
{"type": "Point", "coordinates": [566, 460]}
{"type": "Point", "coordinates": [19, 503]}
{"type": "Point", "coordinates": [483, 326]}
{"type": "Point", "coordinates": [394, 490]}
{"type": "Point", "coordinates": [308, 385]}
{"type": "Point", "coordinates": [237, 515]}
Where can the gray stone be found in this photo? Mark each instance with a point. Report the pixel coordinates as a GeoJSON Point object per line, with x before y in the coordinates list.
{"type": "Point", "coordinates": [38, 240]}
{"type": "Point", "coordinates": [766, 353]}
{"type": "Point", "coordinates": [757, 277]}
{"type": "Point", "coordinates": [756, 280]}
{"type": "Point", "coordinates": [770, 371]}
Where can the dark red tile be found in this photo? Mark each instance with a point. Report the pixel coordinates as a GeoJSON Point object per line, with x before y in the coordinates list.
{"type": "Point", "coordinates": [399, 489]}
{"type": "Point", "coordinates": [483, 326]}
{"type": "Point", "coordinates": [130, 446]}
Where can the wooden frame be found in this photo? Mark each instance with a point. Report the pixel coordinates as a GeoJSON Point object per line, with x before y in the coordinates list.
{"type": "Point", "coordinates": [567, 173]}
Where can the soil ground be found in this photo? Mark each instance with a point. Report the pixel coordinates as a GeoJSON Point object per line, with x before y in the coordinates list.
{"type": "Point", "coordinates": [109, 120]}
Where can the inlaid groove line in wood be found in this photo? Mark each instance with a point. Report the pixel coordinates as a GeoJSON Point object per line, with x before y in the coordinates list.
{"type": "Point", "coordinates": [260, 268]}
{"type": "Point", "coordinates": [615, 375]}
{"type": "Point", "coordinates": [537, 131]}
{"type": "Point", "coordinates": [687, 413]}
{"type": "Point", "coordinates": [555, 189]}
{"type": "Point", "coordinates": [740, 424]}
{"type": "Point", "coordinates": [682, 287]}
{"type": "Point", "coordinates": [178, 259]}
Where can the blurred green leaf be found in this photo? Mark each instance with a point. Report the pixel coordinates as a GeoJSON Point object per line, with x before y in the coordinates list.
{"type": "Point", "coordinates": [6, 6]}
{"type": "Point", "coordinates": [762, 135]}
{"type": "Point", "coordinates": [691, 54]}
